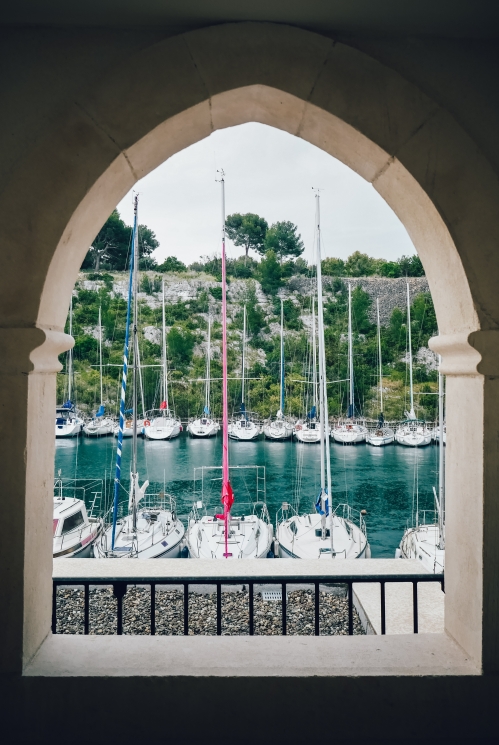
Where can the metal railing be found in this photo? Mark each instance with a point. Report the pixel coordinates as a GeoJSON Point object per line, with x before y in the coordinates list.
{"type": "Point", "coordinates": [120, 586]}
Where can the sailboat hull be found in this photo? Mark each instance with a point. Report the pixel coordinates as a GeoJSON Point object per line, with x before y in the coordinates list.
{"type": "Point", "coordinates": [155, 539]}
{"type": "Point", "coordinates": [413, 436]}
{"type": "Point", "coordinates": [203, 428]}
{"type": "Point", "coordinates": [380, 438]}
{"type": "Point", "coordinates": [278, 431]}
{"type": "Point", "coordinates": [163, 430]}
{"type": "Point", "coordinates": [299, 537]}
{"type": "Point", "coordinates": [68, 429]}
{"type": "Point", "coordinates": [250, 537]}
{"type": "Point", "coordinates": [350, 434]}
{"type": "Point", "coordinates": [422, 543]}
{"type": "Point", "coordinates": [98, 429]}
{"type": "Point", "coordinates": [250, 431]}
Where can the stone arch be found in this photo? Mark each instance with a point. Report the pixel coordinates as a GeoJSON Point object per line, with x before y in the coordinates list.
{"type": "Point", "coordinates": [107, 134]}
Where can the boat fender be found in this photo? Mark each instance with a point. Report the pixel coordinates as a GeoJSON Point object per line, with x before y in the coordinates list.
{"type": "Point", "coordinates": [147, 423]}
{"type": "Point", "coordinates": [397, 553]}
{"type": "Point", "coordinates": [298, 427]}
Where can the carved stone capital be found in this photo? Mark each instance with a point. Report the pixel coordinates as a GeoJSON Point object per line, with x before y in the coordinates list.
{"type": "Point", "coordinates": [27, 350]}
{"type": "Point", "coordinates": [475, 353]}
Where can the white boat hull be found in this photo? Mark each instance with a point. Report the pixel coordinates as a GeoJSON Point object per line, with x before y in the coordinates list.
{"type": "Point", "coordinates": [163, 429]}
{"type": "Point", "coordinates": [203, 428]}
{"type": "Point", "coordinates": [422, 543]}
{"type": "Point", "coordinates": [310, 435]}
{"type": "Point", "coordinates": [77, 540]}
{"type": "Point", "coordinates": [413, 437]}
{"type": "Point", "coordinates": [350, 434]}
{"type": "Point", "coordinates": [278, 430]}
{"type": "Point", "coordinates": [250, 431]}
{"type": "Point", "coordinates": [128, 428]}
{"type": "Point", "coordinates": [379, 438]}
{"type": "Point", "coordinates": [71, 428]}
{"type": "Point", "coordinates": [99, 428]}
{"type": "Point", "coordinates": [249, 538]}
{"type": "Point", "coordinates": [155, 539]}
{"type": "Point", "coordinates": [300, 537]}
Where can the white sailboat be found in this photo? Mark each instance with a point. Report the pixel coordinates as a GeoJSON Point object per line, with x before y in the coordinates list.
{"type": "Point", "coordinates": [148, 531]}
{"type": "Point", "coordinates": [100, 425]}
{"type": "Point", "coordinates": [324, 533]}
{"type": "Point", "coordinates": [205, 425]}
{"type": "Point", "coordinates": [413, 432]}
{"type": "Point", "coordinates": [350, 431]}
{"type": "Point", "coordinates": [381, 435]}
{"type": "Point", "coordinates": [244, 425]}
{"type": "Point", "coordinates": [74, 531]}
{"type": "Point", "coordinates": [307, 430]}
{"type": "Point", "coordinates": [68, 422]}
{"type": "Point", "coordinates": [162, 424]}
{"type": "Point", "coordinates": [280, 428]}
{"type": "Point", "coordinates": [225, 536]}
{"type": "Point", "coordinates": [426, 541]}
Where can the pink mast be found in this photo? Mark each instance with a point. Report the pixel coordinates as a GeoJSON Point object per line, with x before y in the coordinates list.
{"type": "Point", "coordinates": [227, 493]}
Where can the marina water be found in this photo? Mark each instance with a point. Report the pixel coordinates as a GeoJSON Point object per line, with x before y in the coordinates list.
{"type": "Point", "coordinates": [386, 482]}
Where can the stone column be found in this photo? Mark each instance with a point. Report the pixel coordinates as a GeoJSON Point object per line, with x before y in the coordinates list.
{"type": "Point", "coordinates": [28, 365]}
{"type": "Point", "coordinates": [471, 365]}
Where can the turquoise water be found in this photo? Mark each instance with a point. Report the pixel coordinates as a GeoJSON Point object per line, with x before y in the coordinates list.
{"type": "Point", "coordinates": [383, 481]}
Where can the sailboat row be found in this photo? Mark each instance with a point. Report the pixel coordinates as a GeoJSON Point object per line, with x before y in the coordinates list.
{"type": "Point", "coordinates": [163, 424]}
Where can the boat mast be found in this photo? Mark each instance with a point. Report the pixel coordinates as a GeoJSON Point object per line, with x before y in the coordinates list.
{"type": "Point", "coordinates": [70, 351]}
{"type": "Point", "coordinates": [208, 371]}
{"type": "Point", "coordinates": [134, 476]}
{"type": "Point", "coordinates": [412, 415]}
{"type": "Point", "coordinates": [165, 370]}
{"type": "Point", "coordinates": [282, 358]}
{"type": "Point", "coordinates": [351, 407]}
{"type": "Point", "coordinates": [243, 358]}
{"type": "Point", "coordinates": [140, 382]}
{"type": "Point", "coordinates": [324, 415]}
{"type": "Point", "coordinates": [381, 418]}
{"type": "Point", "coordinates": [227, 494]}
{"type": "Point", "coordinates": [100, 354]}
{"type": "Point", "coordinates": [117, 477]}
{"type": "Point", "coordinates": [314, 355]}
{"type": "Point", "coordinates": [441, 463]}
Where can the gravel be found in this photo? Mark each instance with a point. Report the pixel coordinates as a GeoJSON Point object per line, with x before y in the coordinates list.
{"type": "Point", "coordinates": [333, 612]}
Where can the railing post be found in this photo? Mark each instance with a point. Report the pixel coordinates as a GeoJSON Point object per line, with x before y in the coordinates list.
{"type": "Point", "coordinates": [186, 608]}
{"type": "Point", "coordinates": [383, 609]}
{"type": "Point", "coordinates": [86, 609]}
{"type": "Point", "coordinates": [350, 609]}
{"type": "Point", "coordinates": [153, 608]}
{"type": "Point", "coordinates": [317, 609]}
{"type": "Point", "coordinates": [251, 609]}
{"type": "Point", "coordinates": [284, 609]}
{"type": "Point", "coordinates": [54, 608]}
{"type": "Point", "coordinates": [415, 605]}
{"type": "Point", "coordinates": [219, 609]}
{"type": "Point", "coordinates": [119, 591]}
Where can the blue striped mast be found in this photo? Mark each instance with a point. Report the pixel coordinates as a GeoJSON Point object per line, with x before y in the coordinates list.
{"type": "Point", "coordinates": [117, 477]}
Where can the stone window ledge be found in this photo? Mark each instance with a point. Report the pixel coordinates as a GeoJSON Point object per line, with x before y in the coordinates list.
{"type": "Point", "coordinates": [202, 656]}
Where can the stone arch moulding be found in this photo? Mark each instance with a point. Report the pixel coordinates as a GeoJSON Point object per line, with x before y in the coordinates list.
{"type": "Point", "coordinates": [178, 91]}
{"type": "Point", "coordinates": [166, 97]}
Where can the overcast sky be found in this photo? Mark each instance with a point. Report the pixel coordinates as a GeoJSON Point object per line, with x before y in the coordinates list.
{"type": "Point", "coordinates": [270, 173]}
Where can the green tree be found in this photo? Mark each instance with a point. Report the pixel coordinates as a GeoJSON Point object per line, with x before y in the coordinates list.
{"type": "Point", "coordinates": [181, 342]}
{"type": "Point", "coordinates": [270, 273]}
{"type": "Point", "coordinates": [361, 265]}
{"type": "Point", "coordinates": [283, 239]}
{"type": "Point", "coordinates": [172, 264]}
{"type": "Point", "coordinates": [109, 245]}
{"type": "Point", "coordinates": [333, 267]}
{"type": "Point", "coordinates": [110, 248]}
{"type": "Point", "coordinates": [247, 230]}
{"type": "Point", "coordinates": [411, 266]}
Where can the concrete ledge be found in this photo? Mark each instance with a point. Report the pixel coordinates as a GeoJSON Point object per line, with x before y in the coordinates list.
{"type": "Point", "coordinates": [157, 569]}
{"type": "Point", "coordinates": [242, 657]}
